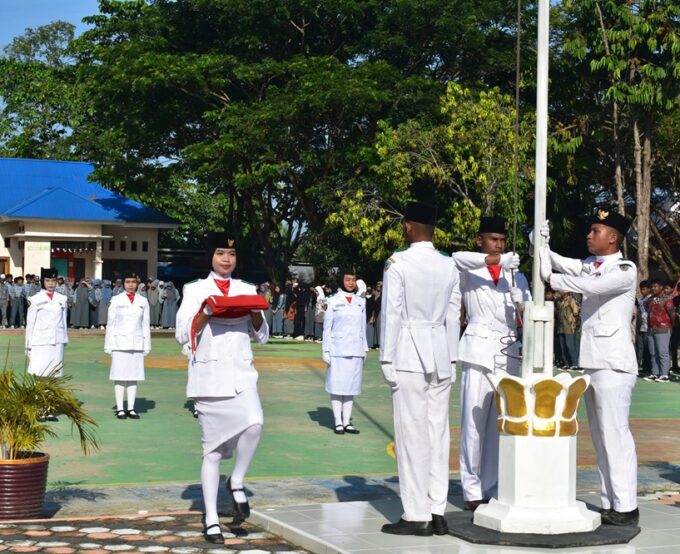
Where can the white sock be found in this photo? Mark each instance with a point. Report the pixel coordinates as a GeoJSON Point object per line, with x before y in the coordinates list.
{"type": "Point", "coordinates": [119, 391]}
{"type": "Point", "coordinates": [336, 405]}
{"type": "Point", "coordinates": [245, 452]}
{"type": "Point", "coordinates": [347, 404]}
{"type": "Point", "coordinates": [210, 483]}
{"type": "Point", "coordinates": [131, 394]}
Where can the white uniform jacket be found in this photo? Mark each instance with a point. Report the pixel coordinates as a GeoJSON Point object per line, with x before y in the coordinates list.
{"type": "Point", "coordinates": [420, 311]}
{"type": "Point", "coordinates": [344, 326]}
{"type": "Point", "coordinates": [128, 326]}
{"type": "Point", "coordinates": [222, 364]}
{"type": "Point", "coordinates": [490, 312]}
{"type": "Point", "coordinates": [606, 310]}
{"type": "Point", "coordinates": [46, 320]}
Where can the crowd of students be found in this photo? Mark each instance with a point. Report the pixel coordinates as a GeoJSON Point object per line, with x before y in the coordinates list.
{"type": "Point", "coordinates": [297, 310]}
{"type": "Point", "coordinates": [88, 300]}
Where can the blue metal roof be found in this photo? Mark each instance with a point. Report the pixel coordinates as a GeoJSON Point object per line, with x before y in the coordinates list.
{"type": "Point", "coordinates": [53, 189]}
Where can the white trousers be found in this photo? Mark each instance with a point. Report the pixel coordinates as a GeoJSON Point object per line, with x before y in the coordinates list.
{"type": "Point", "coordinates": [608, 403]}
{"type": "Point", "coordinates": [421, 433]}
{"type": "Point", "coordinates": [478, 434]}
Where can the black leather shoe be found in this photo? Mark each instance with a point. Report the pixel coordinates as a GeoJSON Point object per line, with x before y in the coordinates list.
{"type": "Point", "coordinates": [351, 430]}
{"type": "Point", "coordinates": [439, 525]}
{"type": "Point", "coordinates": [214, 538]}
{"type": "Point", "coordinates": [472, 505]}
{"type": "Point", "coordinates": [339, 430]}
{"type": "Point", "coordinates": [612, 517]}
{"type": "Point", "coordinates": [242, 509]}
{"type": "Point", "coordinates": [402, 527]}
{"type": "Point", "coordinates": [132, 414]}
{"type": "Point", "coordinates": [120, 414]}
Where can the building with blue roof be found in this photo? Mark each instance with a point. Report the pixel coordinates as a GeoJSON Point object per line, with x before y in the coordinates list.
{"type": "Point", "coordinates": [51, 215]}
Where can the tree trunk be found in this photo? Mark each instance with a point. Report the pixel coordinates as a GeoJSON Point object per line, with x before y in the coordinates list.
{"type": "Point", "coordinates": [640, 226]}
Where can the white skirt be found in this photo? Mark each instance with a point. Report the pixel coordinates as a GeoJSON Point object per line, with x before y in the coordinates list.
{"type": "Point", "coordinates": [127, 365]}
{"type": "Point", "coordinates": [45, 358]}
{"type": "Point", "coordinates": [344, 375]}
{"type": "Point", "coordinates": [223, 420]}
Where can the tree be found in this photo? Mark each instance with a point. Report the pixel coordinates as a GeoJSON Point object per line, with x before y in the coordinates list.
{"type": "Point", "coordinates": [38, 96]}
{"type": "Point", "coordinates": [266, 107]}
{"type": "Point", "coordinates": [636, 44]}
{"type": "Point", "coordinates": [464, 164]}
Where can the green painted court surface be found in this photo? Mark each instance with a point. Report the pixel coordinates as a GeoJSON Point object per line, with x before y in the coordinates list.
{"type": "Point", "coordinates": [164, 446]}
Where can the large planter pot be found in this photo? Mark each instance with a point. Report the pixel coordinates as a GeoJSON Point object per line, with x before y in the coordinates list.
{"type": "Point", "coordinates": [22, 486]}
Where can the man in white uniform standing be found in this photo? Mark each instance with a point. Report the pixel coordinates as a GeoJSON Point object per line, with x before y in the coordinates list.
{"type": "Point", "coordinates": [489, 345]}
{"type": "Point", "coordinates": [418, 351]}
{"type": "Point", "coordinates": [608, 284]}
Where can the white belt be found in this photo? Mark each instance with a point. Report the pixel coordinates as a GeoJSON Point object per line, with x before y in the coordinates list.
{"type": "Point", "coordinates": [421, 324]}
{"type": "Point", "coordinates": [492, 324]}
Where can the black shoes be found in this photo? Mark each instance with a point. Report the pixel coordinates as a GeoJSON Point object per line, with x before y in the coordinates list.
{"type": "Point", "coordinates": [439, 525]}
{"type": "Point", "coordinates": [351, 430]}
{"type": "Point", "coordinates": [402, 527]}
{"type": "Point", "coordinates": [120, 414]}
{"type": "Point", "coordinates": [472, 505]}
{"type": "Point", "coordinates": [214, 538]}
{"type": "Point", "coordinates": [132, 414]}
{"type": "Point", "coordinates": [339, 430]}
{"type": "Point", "coordinates": [242, 509]}
{"type": "Point", "coordinates": [612, 517]}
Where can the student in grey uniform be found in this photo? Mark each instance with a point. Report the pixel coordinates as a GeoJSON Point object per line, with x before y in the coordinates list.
{"type": "Point", "coordinates": [46, 331]}
{"type": "Point", "coordinates": [127, 341]}
{"type": "Point", "coordinates": [608, 284]}
{"type": "Point", "coordinates": [344, 349]}
{"type": "Point", "coordinates": [80, 312]}
{"type": "Point", "coordinates": [152, 295]}
{"type": "Point", "coordinates": [170, 302]}
{"type": "Point", "coordinates": [222, 379]}
{"type": "Point", "coordinates": [418, 351]}
{"type": "Point", "coordinates": [17, 298]}
{"type": "Point", "coordinates": [104, 302]}
{"type": "Point", "coordinates": [4, 301]}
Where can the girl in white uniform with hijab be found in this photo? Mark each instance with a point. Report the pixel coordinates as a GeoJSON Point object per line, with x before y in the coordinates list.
{"type": "Point", "coordinates": [127, 341]}
{"type": "Point", "coordinates": [222, 379]}
{"type": "Point", "coordinates": [46, 330]}
{"type": "Point", "coordinates": [344, 350]}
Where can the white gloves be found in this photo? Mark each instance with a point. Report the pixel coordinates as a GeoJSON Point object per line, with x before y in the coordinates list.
{"type": "Point", "coordinates": [390, 375]}
{"type": "Point", "coordinates": [453, 372]}
{"type": "Point", "coordinates": [516, 295]}
{"type": "Point", "coordinates": [146, 352]}
{"type": "Point", "coordinates": [509, 260]}
{"type": "Point", "coordinates": [327, 357]}
{"type": "Point", "coordinates": [546, 266]}
{"type": "Point", "coordinates": [544, 231]}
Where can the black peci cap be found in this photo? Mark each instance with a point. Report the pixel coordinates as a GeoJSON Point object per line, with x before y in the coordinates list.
{"type": "Point", "coordinates": [218, 239]}
{"type": "Point", "coordinates": [128, 275]}
{"type": "Point", "coordinates": [493, 225]}
{"type": "Point", "coordinates": [420, 212]}
{"type": "Point", "coordinates": [612, 219]}
{"type": "Point", "coordinates": [48, 273]}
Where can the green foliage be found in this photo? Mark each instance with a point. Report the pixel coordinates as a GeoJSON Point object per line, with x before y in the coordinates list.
{"type": "Point", "coordinates": [465, 164]}
{"type": "Point", "coordinates": [26, 398]}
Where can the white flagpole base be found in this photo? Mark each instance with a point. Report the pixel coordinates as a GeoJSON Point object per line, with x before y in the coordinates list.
{"type": "Point", "coordinates": [537, 489]}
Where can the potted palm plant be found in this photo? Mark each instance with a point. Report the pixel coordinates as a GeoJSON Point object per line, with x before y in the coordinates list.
{"type": "Point", "coordinates": [24, 399]}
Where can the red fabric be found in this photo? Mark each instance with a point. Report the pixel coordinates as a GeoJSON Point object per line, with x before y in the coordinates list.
{"type": "Point", "coordinates": [51, 295]}
{"type": "Point", "coordinates": [131, 296]}
{"type": "Point", "coordinates": [495, 272]}
{"type": "Point", "coordinates": [349, 299]}
{"type": "Point", "coordinates": [223, 285]}
{"type": "Point", "coordinates": [228, 307]}
{"type": "Point", "coordinates": [659, 310]}
{"type": "Point", "coordinates": [597, 264]}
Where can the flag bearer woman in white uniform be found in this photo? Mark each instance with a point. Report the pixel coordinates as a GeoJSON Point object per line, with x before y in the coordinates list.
{"type": "Point", "coordinates": [344, 350]}
{"type": "Point", "coordinates": [127, 341]}
{"type": "Point", "coordinates": [222, 378]}
{"type": "Point", "coordinates": [46, 330]}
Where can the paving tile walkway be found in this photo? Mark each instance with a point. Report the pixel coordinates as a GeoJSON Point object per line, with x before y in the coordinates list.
{"type": "Point", "coordinates": [176, 533]}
